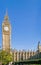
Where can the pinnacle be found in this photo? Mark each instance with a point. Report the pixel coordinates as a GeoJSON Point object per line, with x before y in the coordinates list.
{"type": "Point", "coordinates": [6, 16]}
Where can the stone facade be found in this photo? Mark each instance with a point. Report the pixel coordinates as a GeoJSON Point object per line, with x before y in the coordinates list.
{"type": "Point", "coordinates": [6, 32]}
{"type": "Point", "coordinates": [22, 55]}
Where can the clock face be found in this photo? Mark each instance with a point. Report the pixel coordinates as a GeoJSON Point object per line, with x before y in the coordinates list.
{"type": "Point", "coordinates": [6, 28]}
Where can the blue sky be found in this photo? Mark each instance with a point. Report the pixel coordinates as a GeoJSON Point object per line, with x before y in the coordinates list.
{"type": "Point", "coordinates": [25, 19]}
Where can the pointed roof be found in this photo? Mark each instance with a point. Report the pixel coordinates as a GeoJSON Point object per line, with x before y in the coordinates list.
{"type": "Point", "coordinates": [38, 43]}
{"type": "Point", "coordinates": [6, 16]}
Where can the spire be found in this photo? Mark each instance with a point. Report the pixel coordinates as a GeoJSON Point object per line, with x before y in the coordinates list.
{"type": "Point", "coordinates": [38, 44]}
{"type": "Point", "coordinates": [6, 16]}
{"type": "Point", "coordinates": [6, 12]}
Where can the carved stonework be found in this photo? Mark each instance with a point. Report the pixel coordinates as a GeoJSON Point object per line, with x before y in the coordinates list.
{"type": "Point", "coordinates": [6, 32]}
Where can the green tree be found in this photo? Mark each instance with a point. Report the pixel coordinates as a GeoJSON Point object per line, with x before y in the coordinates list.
{"type": "Point", "coordinates": [5, 57]}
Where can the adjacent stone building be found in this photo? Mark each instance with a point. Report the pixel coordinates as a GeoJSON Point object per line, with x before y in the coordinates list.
{"type": "Point", "coordinates": [22, 55]}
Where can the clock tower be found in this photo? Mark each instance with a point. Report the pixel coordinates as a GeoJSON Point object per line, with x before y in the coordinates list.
{"type": "Point", "coordinates": [6, 34]}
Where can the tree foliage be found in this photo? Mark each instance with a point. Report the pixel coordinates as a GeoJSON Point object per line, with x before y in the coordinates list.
{"type": "Point", "coordinates": [5, 57]}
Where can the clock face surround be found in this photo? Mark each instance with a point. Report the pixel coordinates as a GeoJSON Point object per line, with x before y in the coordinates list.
{"type": "Point", "coordinates": [6, 28]}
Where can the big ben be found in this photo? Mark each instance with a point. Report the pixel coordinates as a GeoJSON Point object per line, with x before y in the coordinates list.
{"type": "Point", "coordinates": [6, 33]}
